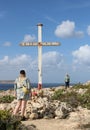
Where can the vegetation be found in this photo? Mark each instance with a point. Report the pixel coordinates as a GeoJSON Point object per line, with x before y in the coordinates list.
{"type": "Point", "coordinates": [6, 99]}
{"type": "Point", "coordinates": [85, 99]}
{"type": "Point", "coordinates": [58, 94]}
{"type": "Point", "coordinates": [73, 98]}
{"type": "Point", "coordinates": [7, 122]}
{"type": "Point", "coordinates": [78, 86]}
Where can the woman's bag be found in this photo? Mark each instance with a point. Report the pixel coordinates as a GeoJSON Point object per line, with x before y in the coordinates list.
{"type": "Point", "coordinates": [25, 89]}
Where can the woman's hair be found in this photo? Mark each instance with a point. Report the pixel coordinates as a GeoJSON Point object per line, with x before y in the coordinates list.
{"type": "Point", "coordinates": [23, 72]}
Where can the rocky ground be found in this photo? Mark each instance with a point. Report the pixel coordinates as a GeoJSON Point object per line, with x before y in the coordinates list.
{"type": "Point", "coordinates": [47, 114]}
{"type": "Point", "coordinates": [52, 124]}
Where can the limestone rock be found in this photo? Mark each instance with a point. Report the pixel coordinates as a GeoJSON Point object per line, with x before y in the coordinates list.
{"type": "Point", "coordinates": [57, 118]}
{"type": "Point", "coordinates": [3, 106]}
{"type": "Point", "coordinates": [82, 116]}
{"type": "Point", "coordinates": [59, 112]}
{"type": "Point", "coordinates": [81, 91]}
{"type": "Point", "coordinates": [34, 116]}
{"type": "Point", "coordinates": [62, 111]}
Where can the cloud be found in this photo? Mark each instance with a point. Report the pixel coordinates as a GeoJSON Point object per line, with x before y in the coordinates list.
{"type": "Point", "coordinates": [20, 60]}
{"type": "Point", "coordinates": [7, 44]}
{"type": "Point", "coordinates": [82, 55]}
{"type": "Point", "coordinates": [52, 59]}
{"type": "Point", "coordinates": [29, 38]}
{"type": "Point", "coordinates": [67, 30]}
{"type": "Point", "coordinates": [10, 65]}
{"type": "Point", "coordinates": [4, 60]}
{"type": "Point", "coordinates": [88, 30]}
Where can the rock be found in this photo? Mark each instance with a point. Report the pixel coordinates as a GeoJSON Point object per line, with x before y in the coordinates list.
{"type": "Point", "coordinates": [48, 114]}
{"type": "Point", "coordinates": [3, 106]}
{"type": "Point", "coordinates": [52, 89]}
{"type": "Point", "coordinates": [59, 112]}
{"type": "Point", "coordinates": [31, 127]}
{"type": "Point", "coordinates": [81, 91]}
{"type": "Point", "coordinates": [87, 83]}
{"type": "Point", "coordinates": [56, 104]}
{"type": "Point", "coordinates": [57, 118]}
{"type": "Point", "coordinates": [34, 110]}
{"type": "Point", "coordinates": [11, 106]}
{"type": "Point", "coordinates": [27, 127]}
{"type": "Point", "coordinates": [45, 99]}
{"type": "Point", "coordinates": [74, 117]}
{"type": "Point", "coordinates": [40, 115]}
{"type": "Point", "coordinates": [66, 106]}
{"type": "Point", "coordinates": [33, 116]}
{"type": "Point", "coordinates": [82, 116]}
{"type": "Point", "coordinates": [62, 111]}
{"type": "Point", "coordinates": [46, 117]}
{"type": "Point", "coordinates": [37, 105]}
{"type": "Point", "coordinates": [40, 93]}
{"type": "Point", "coordinates": [51, 115]}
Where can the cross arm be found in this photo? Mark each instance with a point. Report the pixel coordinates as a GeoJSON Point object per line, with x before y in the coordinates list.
{"type": "Point", "coordinates": [40, 44]}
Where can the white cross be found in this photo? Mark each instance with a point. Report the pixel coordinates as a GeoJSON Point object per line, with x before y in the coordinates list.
{"type": "Point", "coordinates": [39, 44]}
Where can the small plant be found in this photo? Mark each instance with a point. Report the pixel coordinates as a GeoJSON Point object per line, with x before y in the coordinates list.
{"type": "Point", "coordinates": [78, 86]}
{"type": "Point", "coordinates": [58, 94]}
{"type": "Point", "coordinates": [69, 97]}
{"type": "Point", "coordinates": [84, 100]}
{"type": "Point", "coordinates": [73, 98]}
{"type": "Point", "coordinates": [7, 99]}
{"type": "Point", "coordinates": [8, 122]}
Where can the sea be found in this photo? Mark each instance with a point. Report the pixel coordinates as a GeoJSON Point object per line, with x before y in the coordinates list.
{"type": "Point", "coordinates": [34, 85]}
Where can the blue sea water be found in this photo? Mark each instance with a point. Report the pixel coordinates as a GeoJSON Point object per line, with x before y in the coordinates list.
{"type": "Point", "coordinates": [34, 85]}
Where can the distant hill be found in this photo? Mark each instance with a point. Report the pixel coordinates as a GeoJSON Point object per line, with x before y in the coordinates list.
{"type": "Point", "coordinates": [7, 81]}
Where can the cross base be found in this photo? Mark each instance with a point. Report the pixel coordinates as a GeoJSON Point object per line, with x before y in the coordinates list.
{"type": "Point", "coordinates": [39, 86]}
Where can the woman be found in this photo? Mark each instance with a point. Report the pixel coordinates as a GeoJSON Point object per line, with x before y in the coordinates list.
{"type": "Point", "coordinates": [21, 95]}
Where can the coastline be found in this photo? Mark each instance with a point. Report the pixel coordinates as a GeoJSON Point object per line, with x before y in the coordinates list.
{"type": "Point", "coordinates": [7, 81]}
{"type": "Point", "coordinates": [9, 84]}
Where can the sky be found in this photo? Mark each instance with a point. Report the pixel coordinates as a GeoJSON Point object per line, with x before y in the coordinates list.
{"type": "Point", "coordinates": [65, 21]}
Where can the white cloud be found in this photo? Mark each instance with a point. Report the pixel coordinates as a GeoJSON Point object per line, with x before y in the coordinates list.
{"type": "Point", "coordinates": [82, 55]}
{"type": "Point", "coordinates": [67, 30]}
{"type": "Point", "coordinates": [4, 60]}
{"type": "Point", "coordinates": [52, 59]}
{"type": "Point", "coordinates": [78, 34]}
{"type": "Point", "coordinates": [29, 38]}
{"type": "Point", "coordinates": [7, 44]}
{"type": "Point", "coordinates": [10, 66]}
{"type": "Point", "coordinates": [88, 30]}
{"type": "Point", "coordinates": [20, 60]}
{"type": "Point", "coordinates": [54, 67]}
